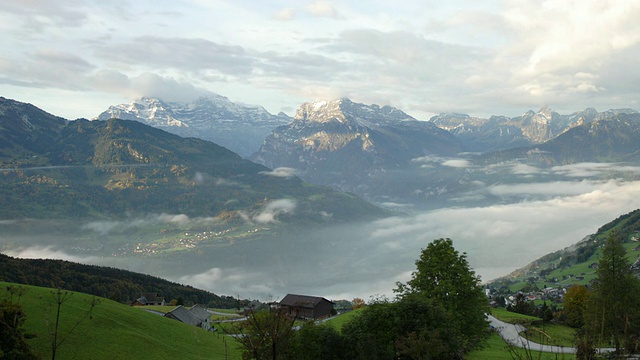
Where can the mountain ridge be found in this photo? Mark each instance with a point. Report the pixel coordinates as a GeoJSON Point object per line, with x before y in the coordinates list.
{"type": "Point", "coordinates": [116, 166]}
{"type": "Point", "coordinates": [239, 127]}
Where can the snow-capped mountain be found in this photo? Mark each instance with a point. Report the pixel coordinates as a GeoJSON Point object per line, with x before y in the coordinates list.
{"type": "Point", "coordinates": [353, 146]}
{"type": "Point", "coordinates": [238, 127]}
{"type": "Point", "coordinates": [501, 132]}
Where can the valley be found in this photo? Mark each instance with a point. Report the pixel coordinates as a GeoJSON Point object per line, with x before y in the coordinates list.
{"type": "Point", "coordinates": [187, 210]}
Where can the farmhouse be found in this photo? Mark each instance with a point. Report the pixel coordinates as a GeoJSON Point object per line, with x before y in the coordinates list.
{"type": "Point", "coordinates": [197, 315]}
{"type": "Point", "coordinates": [307, 307]}
{"type": "Point", "coordinates": [149, 299]}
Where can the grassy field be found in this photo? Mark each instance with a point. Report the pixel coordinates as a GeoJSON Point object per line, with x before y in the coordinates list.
{"type": "Point", "coordinates": [551, 334]}
{"type": "Point", "coordinates": [338, 321]}
{"type": "Point", "coordinates": [116, 331]}
{"type": "Point", "coordinates": [497, 349]}
{"type": "Point", "coordinates": [512, 317]}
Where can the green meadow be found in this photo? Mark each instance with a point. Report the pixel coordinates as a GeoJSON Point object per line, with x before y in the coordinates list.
{"type": "Point", "coordinates": [114, 330]}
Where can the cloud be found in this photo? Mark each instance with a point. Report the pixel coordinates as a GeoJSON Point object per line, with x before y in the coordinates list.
{"type": "Point", "coordinates": [594, 169]}
{"type": "Point", "coordinates": [285, 172]}
{"type": "Point", "coordinates": [187, 54]}
{"type": "Point", "coordinates": [322, 9]}
{"type": "Point", "coordinates": [429, 160]}
{"type": "Point", "coordinates": [234, 281]}
{"type": "Point", "coordinates": [285, 14]}
{"type": "Point", "coordinates": [457, 163]}
{"type": "Point", "coordinates": [273, 209]}
{"type": "Point", "coordinates": [50, 252]}
{"type": "Point", "coordinates": [105, 227]}
{"type": "Point", "coordinates": [524, 169]}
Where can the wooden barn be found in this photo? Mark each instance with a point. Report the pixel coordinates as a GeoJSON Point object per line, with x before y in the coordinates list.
{"type": "Point", "coordinates": [307, 307]}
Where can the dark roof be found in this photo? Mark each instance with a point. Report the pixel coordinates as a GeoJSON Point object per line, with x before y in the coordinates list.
{"type": "Point", "coordinates": [302, 301]}
{"type": "Point", "coordinates": [200, 312]}
{"type": "Point", "coordinates": [149, 298]}
{"type": "Point", "coordinates": [182, 314]}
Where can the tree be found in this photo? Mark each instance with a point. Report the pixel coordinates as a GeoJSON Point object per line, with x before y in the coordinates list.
{"type": "Point", "coordinates": [411, 328]}
{"type": "Point", "coordinates": [13, 339]}
{"type": "Point", "coordinates": [357, 303]}
{"type": "Point", "coordinates": [56, 336]}
{"type": "Point", "coordinates": [444, 277]}
{"type": "Point", "coordinates": [614, 310]}
{"type": "Point", "coordinates": [315, 341]}
{"type": "Point", "coordinates": [522, 306]}
{"type": "Point", "coordinates": [265, 335]}
{"type": "Point", "coordinates": [575, 305]}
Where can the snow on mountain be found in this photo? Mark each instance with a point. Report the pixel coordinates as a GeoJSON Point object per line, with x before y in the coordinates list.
{"type": "Point", "coordinates": [238, 127]}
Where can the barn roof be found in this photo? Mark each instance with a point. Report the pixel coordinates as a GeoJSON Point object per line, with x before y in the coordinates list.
{"type": "Point", "coordinates": [302, 301]}
{"type": "Point", "coordinates": [182, 314]}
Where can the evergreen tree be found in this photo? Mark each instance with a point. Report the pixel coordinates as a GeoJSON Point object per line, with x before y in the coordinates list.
{"type": "Point", "coordinates": [613, 314]}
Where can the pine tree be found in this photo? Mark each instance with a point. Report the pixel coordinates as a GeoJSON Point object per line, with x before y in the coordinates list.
{"type": "Point", "coordinates": [612, 314]}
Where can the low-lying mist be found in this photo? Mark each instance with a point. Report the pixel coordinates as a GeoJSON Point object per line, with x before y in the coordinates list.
{"type": "Point", "coordinates": [345, 261]}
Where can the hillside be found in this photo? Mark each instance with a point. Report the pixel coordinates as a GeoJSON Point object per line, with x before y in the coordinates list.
{"type": "Point", "coordinates": [575, 264]}
{"type": "Point", "coordinates": [114, 330]}
{"type": "Point", "coordinates": [53, 168]}
{"type": "Point", "coordinates": [116, 284]}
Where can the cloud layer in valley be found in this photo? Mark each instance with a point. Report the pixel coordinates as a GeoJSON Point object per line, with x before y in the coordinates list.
{"type": "Point", "coordinates": [344, 261]}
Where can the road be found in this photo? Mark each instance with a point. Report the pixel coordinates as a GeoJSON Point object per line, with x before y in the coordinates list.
{"type": "Point", "coordinates": [511, 334]}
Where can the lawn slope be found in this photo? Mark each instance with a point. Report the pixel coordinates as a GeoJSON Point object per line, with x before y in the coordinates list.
{"type": "Point", "coordinates": [115, 331]}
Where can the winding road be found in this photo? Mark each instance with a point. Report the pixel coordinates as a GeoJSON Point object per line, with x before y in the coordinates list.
{"type": "Point", "coordinates": [511, 334]}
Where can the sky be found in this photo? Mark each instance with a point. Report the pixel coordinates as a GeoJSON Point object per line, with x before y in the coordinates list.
{"type": "Point", "coordinates": [75, 58]}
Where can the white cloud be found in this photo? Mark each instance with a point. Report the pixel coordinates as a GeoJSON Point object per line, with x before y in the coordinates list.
{"type": "Point", "coordinates": [581, 170]}
{"type": "Point", "coordinates": [322, 9]}
{"type": "Point", "coordinates": [286, 14]}
{"type": "Point", "coordinates": [285, 172]}
{"type": "Point", "coordinates": [273, 209]}
{"type": "Point", "coordinates": [478, 58]}
{"type": "Point", "coordinates": [457, 163]}
{"type": "Point", "coordinates": [50, 252]}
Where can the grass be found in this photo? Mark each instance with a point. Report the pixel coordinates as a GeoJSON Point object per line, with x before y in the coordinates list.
{"type": "Point", "coordinates": [548, 334]}
{"type": "Point", "coordinates": [512, 317]}
{"type": "Point", "coordinates": [551, 334]}
{"type": "Point", "coordinates": [338, 321]}
{"type": "Point", "coordinates": [496, 349]}
{"type": "Point", "coordinates": [116, 331]}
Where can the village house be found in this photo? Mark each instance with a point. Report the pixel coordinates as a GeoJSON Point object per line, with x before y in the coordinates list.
{"type": "Point", "coordinates": [306, 307]}
{"type": "Point", "coordinates": [149, 299]}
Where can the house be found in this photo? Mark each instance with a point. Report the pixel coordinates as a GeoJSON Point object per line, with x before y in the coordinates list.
{"type": "Point", "coordinates": [197, 315]}
{"type": "Point", "coordinates": [307, 307]}
{"type": "Point", "coordinates": [149, 299]}
{"type": "Point", "coordinates": [200, 311]}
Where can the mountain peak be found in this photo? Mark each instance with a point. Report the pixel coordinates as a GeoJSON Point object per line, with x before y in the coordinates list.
{"type": "Point", "coordinates": [239, 127]}
{"type": "Point", "coordinates": [346, 111]}
{"type": "Point", "coordinates": [322, 111]}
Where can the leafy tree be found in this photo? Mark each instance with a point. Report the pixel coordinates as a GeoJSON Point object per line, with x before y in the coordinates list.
{"type": "Point", "coordinates": [575, 305]}
{"type": "Point", "coordinates": [315, 341]}
{"type": "Point", "coordinates": [13, 340]}
{"type": "Point", "coordinates": [411, 328]}
{"type": "Point", "coordinates": [614, 310]}
{"type": "Point", "coordinates": [265, 335]}
{"type": "Point", "coordinates": [357, 303]}
{"type": "Point", "coordinates": [444, 277]}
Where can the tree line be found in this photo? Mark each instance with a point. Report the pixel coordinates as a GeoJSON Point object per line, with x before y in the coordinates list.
{"type": "Point", "coordinates": [115, 284]}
